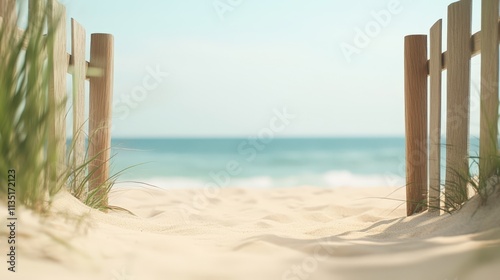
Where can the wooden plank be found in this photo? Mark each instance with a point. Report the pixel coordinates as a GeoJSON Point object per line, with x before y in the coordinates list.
{"type": "Point", "coordinates": [415, 71]}
{"type": "Point", "coordinates": [57, 85]}
{"type": "Point", "coordinates": [101, 91]}
{"type": "Point", "coordinates": [488, 136]}
{"type": "Point", "coordinates": [435, 116]}
{"type": "Point", "coordinates": [78, 75]}
{"type": "Point", "coordinates": [458, 99]}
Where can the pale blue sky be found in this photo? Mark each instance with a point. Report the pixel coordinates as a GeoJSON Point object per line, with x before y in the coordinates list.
{"type": "Point", "coordinates": [228, 71]}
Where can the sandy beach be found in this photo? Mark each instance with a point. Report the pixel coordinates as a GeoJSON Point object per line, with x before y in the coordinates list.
{"type": "Point", "coordinates": [271, 139]}
{"type": "Point", "coordinates": [283, 233]}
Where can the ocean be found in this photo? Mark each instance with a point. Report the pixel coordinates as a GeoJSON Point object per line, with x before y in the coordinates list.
{"type": "Point", "coordinates": [245, 162]}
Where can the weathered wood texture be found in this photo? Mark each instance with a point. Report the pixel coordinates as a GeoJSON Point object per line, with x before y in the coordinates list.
{"type": "Point", "coordinates": [435, 116]}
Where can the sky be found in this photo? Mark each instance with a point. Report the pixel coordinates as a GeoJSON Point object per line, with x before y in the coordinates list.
{"type": "Point", "coordinates": [226, 68]}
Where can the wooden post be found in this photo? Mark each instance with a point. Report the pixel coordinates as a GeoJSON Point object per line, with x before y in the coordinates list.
{"type": "Point", "coordinates": [101, 91]}
{"type": "Point", "coordinates": [79, 76]}
{"type": "Point", "coordinates": [415, 68]}
{"type": "Point", "coordinates": [489, 90]}
{"type": "Point", "coordinates": [57, 87]}
{"type": "Point", "coordinates": [435, 73]}
{"type": "Point", "coordinates": [458, 99]}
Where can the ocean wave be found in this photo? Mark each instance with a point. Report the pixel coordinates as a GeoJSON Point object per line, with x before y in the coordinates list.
{"type": "Point", "coordinates": [347, 179]}
{"type": "Point", "coordinates": [334, 178]}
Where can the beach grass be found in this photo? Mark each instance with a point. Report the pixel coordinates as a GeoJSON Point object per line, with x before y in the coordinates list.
{"type": "Point", "coordinates": [477, 185]}
{"type": "Point", "coordinates": [78, 181]}
{"type": "Point", "coordinates": [25, 111]}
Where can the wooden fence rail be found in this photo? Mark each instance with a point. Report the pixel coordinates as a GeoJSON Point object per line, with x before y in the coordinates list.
{"type": "Point", "coordinates": [462, 46]}
{"type": "Point", "coordinates": [99, 72]}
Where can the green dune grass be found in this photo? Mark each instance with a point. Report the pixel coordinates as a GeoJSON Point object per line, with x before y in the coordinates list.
{"type": "Point", "coordinates": [25, 119]}
{"type": "Point", "coordinates": [25, 112]}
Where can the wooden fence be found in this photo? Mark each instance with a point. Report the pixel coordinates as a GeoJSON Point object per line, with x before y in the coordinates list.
{"type": "Point", "coordinates": [423, 136]}
{"type": "Point", "coordinates": [99, 72]}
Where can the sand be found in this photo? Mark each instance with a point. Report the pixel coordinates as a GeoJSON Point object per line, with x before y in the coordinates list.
{"type": "Point", "coordinates": [237, 233]}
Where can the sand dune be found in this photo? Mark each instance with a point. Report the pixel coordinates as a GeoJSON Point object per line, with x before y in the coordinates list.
{"type": "Point", "coordinates": [287, 233]}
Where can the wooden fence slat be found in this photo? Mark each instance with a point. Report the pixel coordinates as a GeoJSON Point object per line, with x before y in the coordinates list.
{"type": "Point", "coordinates": [458, 99]}
{"type": "Point", "coordinates": [101, 90]}
{"type": "Point", "coordinates": [57, 85]}
{"type": "Point", "coordinates": [489, 89]}
{"type": "Point", "coordinates": [415, 72]}
{"type": "Point", "coordinates": [435, 116]}
{"type": "Point", "coordinates": [78, 74]}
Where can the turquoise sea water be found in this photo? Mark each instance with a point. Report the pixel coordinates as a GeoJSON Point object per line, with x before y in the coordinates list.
{"type": "Point", "coordinates": [178, 163]}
